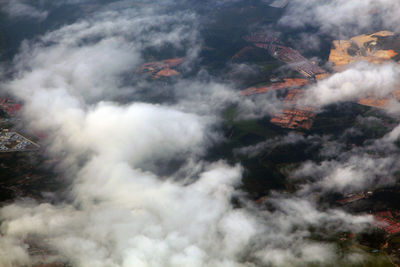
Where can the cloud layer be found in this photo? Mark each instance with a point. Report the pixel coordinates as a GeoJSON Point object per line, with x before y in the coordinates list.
{"type": "Point", "coordinates": [341, 17]}
{"type": "Point", "coordinates": [22, 9]}
{"type": "Point", "coordinates": [119, 211]}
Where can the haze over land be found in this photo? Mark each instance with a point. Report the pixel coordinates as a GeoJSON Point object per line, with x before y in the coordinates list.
{"type": "Point", "coordinates": [159, 156]}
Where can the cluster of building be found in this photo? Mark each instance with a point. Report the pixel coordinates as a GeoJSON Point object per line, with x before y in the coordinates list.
{"type": "Point", "coordinates": [15, 142]}
{"type": "Point", "coordinates": [291, 118]}
{"type": "Point", "coordinates": [160, 69]}
{"type": "Point", "coordinates": [294, 118]}
{"type": "Point", "coordinates": [285, 54]}
{"type": "Point", "coordinates": [382, 219]}
{"type": "Point", "coordinates": [379, 102]}
{"type": "Point", "coordinates": [362, 47]}
{"type": "Point", "coordinates": [296, 61]}
{"type": "Point", "coordinates": [9, 106]}
{"type": "Point", "coordinates": [386, 221]}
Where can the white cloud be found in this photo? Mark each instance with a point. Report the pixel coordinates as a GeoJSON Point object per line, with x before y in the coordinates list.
{"type": "Point", "coordinates": [22, 9]}
{"type": "Point", "coordinates": [342, 17]}
{"type": "Point", "coordinates": [358, 81]}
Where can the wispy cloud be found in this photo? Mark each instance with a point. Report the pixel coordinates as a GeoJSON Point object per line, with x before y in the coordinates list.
{"type": "Point", "coordinates": [22, 9]}
{"type": "Point", "coordinates": [119, 211]}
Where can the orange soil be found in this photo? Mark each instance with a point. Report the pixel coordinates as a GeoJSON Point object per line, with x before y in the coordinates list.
{"type": "Point", "coordinates": [288, 83]}
{"type": "Point", "coordinates": [365, 50]}
{"type": "Point", "coordinates": [372, 101]}
{"type": "Point", "coordinates": [294, 118]}
{"type": "Point", "coordinates": [173, 62]}
{"type": "Point", "coordinates": [166, 73]}
{"type": "Point", "coordinates": [157, 66]}
{"type": "Point", "coordinates": [293, 95]}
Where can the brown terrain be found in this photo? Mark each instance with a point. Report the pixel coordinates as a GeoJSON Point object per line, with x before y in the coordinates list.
{"type": "Point", "coordinates": [9, 106]}
{"type": "Point", "coordinates": [294, 118]}
{"type": "Point", "coordinates": [364, 47]}
{"type": "Point", "coordinates": [374, 102]}
{"type": "Point", "coordinates": [293, 95]}
{"type": "Point", "coordinates": [287, 83]}
{"type": "Point", "coordinates": [25, 172]}
{"type": "Point", "coordinates": [167, 72]}
{"type": "Point", "coordinates": [322, 76]}
{"type": "Point", "coordinates": [361, 47]}
{"type": "Point", "coordinates": [159, 69]}
{"type": "Point", "coordinates": [288, 55]}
